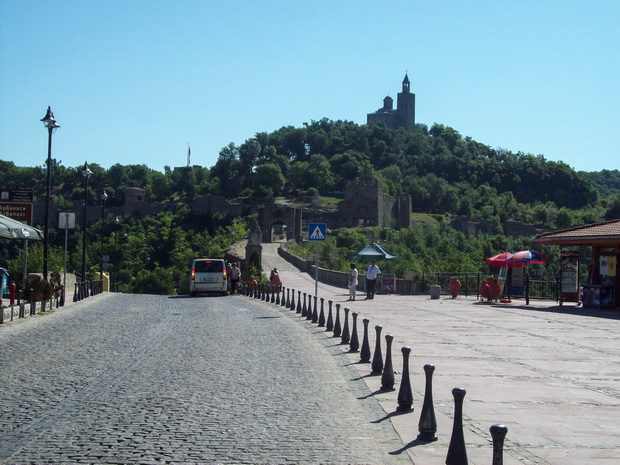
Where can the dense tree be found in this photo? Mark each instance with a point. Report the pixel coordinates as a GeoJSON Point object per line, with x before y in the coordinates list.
{"type": "Point", "coordinates": [613, 209]}
{"type": "Point", "coordinates": [229, 172]}
{"type": "Point", "coordinates": [351, 165]}
{"type": "Point", "coordinates": [269, 176]}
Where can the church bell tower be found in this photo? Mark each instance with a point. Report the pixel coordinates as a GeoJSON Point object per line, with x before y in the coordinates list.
{"type": "Point", "coordinates": [405, 107]}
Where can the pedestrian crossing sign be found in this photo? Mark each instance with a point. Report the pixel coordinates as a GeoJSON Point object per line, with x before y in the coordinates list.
{"type": "Point", "coordinates": [317, 231]}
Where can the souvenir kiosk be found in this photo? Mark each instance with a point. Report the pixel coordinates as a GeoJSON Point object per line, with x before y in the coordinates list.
{"type": "Point", "coordinates": [602, 288]}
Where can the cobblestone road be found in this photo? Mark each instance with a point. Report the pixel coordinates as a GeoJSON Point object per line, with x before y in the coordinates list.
{"type": "Point", "coordinates": [135, 379]}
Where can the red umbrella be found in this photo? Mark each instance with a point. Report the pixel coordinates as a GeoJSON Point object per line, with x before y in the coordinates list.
{"type": "Point", "coordinates": [500, 260]}
{"type": "Point", "coordinates": [526, 257]}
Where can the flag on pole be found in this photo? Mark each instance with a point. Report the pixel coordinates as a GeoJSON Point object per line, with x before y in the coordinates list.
{"type": "Point", "coordinates": [189, 153]}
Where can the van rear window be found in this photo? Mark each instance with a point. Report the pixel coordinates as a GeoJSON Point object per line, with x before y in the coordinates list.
{"type": "Point", "coordinates": [208, 267]}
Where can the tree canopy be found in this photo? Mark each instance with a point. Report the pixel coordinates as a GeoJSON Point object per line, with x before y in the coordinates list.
{"type": "Point", "coordinates": [444, 172]}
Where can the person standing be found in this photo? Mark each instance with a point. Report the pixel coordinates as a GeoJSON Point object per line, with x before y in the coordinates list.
{"type": "Point", "coordinates": [274, 278]}
{"type": "Point", "coordinates": [352, 282]}
{"type": "Point", "coordinates": [235, 275]}
{"type": "Point", "coordinates": [372, 274]}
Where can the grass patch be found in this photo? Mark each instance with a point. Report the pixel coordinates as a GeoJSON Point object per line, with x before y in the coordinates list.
{"type": "Point", "coordinates": [426, 219]}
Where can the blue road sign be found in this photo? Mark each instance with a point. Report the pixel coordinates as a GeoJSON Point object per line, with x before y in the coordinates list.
{"type": "Point", "coordinates": [317, 231]}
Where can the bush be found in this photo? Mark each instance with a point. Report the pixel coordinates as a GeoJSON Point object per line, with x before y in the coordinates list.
{"type": "Point", "coordinates": [159, 281]}
{"type": "Point", "coordinates": [41, 289]}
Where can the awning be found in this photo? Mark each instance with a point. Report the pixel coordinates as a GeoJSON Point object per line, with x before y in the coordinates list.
{"type": "Point", "coordinates": [372, 252]}
{"type": "Point", "coordinates": [13, 229]}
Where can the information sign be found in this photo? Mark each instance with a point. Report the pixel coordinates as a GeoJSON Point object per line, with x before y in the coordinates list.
{"type": "Point", "coordinates": [17, 211]}
{"type": "Point", "coordinates": [17, 195]}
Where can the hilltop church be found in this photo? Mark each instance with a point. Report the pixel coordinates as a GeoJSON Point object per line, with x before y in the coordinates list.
{"type": "Point", "coordinates": [403, 116]}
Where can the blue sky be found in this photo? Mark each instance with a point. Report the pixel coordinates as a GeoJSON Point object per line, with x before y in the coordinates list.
{"type": "Point", "coordinates": [135, 81]}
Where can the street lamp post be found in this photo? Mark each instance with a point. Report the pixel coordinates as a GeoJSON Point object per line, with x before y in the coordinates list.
{"type": "Point", "coordinates": [115, 281]}
{"type": "Point", "coordinates": [86, 172]}
{"type": "Point", "coordinates": [51, 125]}
{"type": "Point", "coordinates": [104, 196]}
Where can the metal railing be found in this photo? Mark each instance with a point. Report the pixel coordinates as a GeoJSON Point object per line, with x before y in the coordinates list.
{"type": "Point", "coordinates": [469, 282]}
{"type": "Point", "coordinates": [536, 287]}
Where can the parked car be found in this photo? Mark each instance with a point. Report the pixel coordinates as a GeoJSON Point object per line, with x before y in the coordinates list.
{"type": "Point", "coordinates": [208, 275]}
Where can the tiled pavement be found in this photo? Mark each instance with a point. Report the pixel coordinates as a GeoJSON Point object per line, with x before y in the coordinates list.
{"type": "Point", "coordinates": [550, 374]}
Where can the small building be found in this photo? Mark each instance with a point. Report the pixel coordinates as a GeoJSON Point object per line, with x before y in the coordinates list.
{"type": "Point", "coordinates": [603, 286]}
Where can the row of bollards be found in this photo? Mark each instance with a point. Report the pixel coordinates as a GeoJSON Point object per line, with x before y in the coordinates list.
{"type": "Point", "coordinates": [306, 305]}
{"type": "Point", "coordinates": [27, 298]}
{"type": "Point", "coordinates": [85, 289]}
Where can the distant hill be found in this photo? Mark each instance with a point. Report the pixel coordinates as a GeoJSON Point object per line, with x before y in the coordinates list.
{"type": "Point", "coordinates": [442, 171]}
{"type": "Point", "coordinates": [606, 182]}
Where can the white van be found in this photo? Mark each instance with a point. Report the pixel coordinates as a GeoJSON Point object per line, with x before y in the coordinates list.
{"type": "Point", "coordinates": [208, 275]}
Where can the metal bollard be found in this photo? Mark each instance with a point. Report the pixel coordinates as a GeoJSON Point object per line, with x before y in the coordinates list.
{"type": "Point", "coordinates": [309, 309]}
{"type": "Point", "coordinates": [322, 314]}
{"type": "Point", "coordinates": [304, 309]}
{"type": "Point", "coordinates": [387, 378]}
{"type": "Point", "coordinates": [427, 425]}
{"type": "Point", "coordinates": [345, 337]}
{"type": "Point", "coordinates": [337, 328]}
{"type": "Point", "coordinates": [405, 394]}
{"type": "Point", "coordinates": [457, 454]}
{"type": "Point", "coordinates": [329, 326]}
{"type": "Point", "coordinates": [315, 311]}
{"type": "Point", "coordinates": [377, 358]}
{"type": "Point", "coordinates": [498, 433]}
{"type": "Point", "coordinates": [288, 298]}
{"type": "Point", "coordinates": [365, 352]}
{"type": "Point", "coordinates": [354, 344]}
{"type": "Point", "coordinates": [292, 307]}
{"type": "Point", "coordinates": [298, 302]}
{"type": "Point", "coordinates": [22, 304]}
{"type": "Point", "coordinates": [273, 293]}
{"type": "Point", "coordinates": [32, 304]}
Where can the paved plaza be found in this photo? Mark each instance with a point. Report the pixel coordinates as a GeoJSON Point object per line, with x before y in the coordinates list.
{"type": "Point", "coordinates": [550, 374]}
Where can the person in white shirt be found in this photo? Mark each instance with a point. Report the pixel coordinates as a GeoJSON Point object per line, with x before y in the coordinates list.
{"type": "Point", "coordinates": [235, 276]}
{"type": "Point", "coordinates": [352, 282]}
{"type": "Point", "coordinates": [372, 274]}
